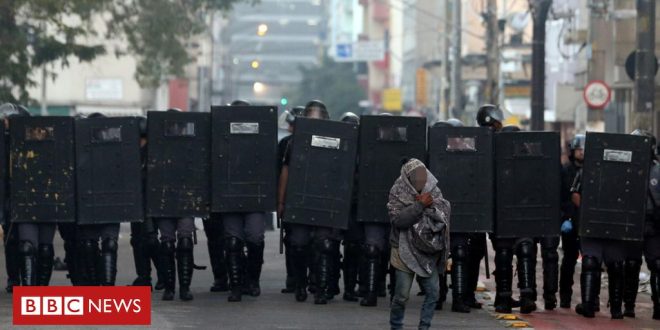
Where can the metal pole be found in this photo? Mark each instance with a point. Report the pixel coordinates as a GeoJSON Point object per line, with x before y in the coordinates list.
{"type": "Point", "coordinates": [44, 104]}
{"type": "Point", "coordinates": [456, 94]}
{"type": "Point", "coordinates": [492, 48]}
{"type": "Point", "coordinates": [540, 10]}
{"type": "Point", "coordinates": [645, 68]}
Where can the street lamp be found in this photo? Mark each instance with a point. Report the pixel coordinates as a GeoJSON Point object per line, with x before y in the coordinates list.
{"type": "Point", "coordinates": [255, 64]}
{"type": "Point", "coordinates": [258, 87]}
{"type": "Point", "coordinates": [262, 29]}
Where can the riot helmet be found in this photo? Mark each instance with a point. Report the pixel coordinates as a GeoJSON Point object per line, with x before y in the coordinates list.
{"type": "Point", "coordinates": [239, 102]}
{"type": "Point", "coordinates": [642, 132]}
{"type": "Point", "coordinates": [490, 115]}
{"type": "Point", "coordinates": [349, 117]}
{"type": "Point", "coordinates": [454, 122]}
{"type": "Point", "coordinates": [510, 128]}
{"type": "Point", "coordinates": [316, 109]}
{"type": "Point", "coordinates": [576, 147]}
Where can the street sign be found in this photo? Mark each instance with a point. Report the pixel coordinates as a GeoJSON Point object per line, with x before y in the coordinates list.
{"type": "Point", "coordinates": [597, 94]}
{"type": "Point", "coordinates": [360, 51]}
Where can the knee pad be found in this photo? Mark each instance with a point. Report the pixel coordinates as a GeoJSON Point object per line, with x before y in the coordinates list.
{"type": "Point", "coordinates": [326, 246]}
{"type": "Point", "coordinates": [527, 249]}
{"type": "Point", "coordinates": [167, 247]}
{"type": "Point", "coordinates": [26, 248]}
{"type": "Point", "coordinates": [185, 244]}
{"type": "Point", "coordinates": [46, 251]}
{"type": "Point", "coordinates": [590, 263]}
{"type": "Point", "coordinates": [234, 244]}
{"type": "Point", "coordinates": [459, 252]}
{"type": "Point", "coordinates": [371, 251]}
{"type": "Point", "coordinates": [109, 245]}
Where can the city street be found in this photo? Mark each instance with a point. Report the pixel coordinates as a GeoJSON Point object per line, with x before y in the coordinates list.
{"type": "Point", "coordinates": [274, 310]}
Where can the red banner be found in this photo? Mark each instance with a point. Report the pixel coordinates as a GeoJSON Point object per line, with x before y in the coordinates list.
{"type": "Point", "coordinates": [82, 305]}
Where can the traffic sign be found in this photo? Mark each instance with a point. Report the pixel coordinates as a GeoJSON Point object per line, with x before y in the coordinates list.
{"type": "Point", "coordinates": [597, 94]}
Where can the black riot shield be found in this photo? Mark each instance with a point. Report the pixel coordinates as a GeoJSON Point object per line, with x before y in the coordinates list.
{"type": "Point", "coordinates": [386, 142]}
{"type": "Point", "coordinates": [4, 174]}
{"type": "Point", "coordinates": [321, 171]}
{"type": "Point", "coordinates": [461, 158]}
{"type": "Point", "coordinates": [108, 170]}
{"type": "Point", "coordinates": [527, 170]}
{"type": "Point", "coordinates": [178, 164]}
{"type": "Point", "coordinates": [244, 162]}
{"type": "Point", "coordinates": [42, 179]}
{"type": "Point", "coordinates": [614, 186]}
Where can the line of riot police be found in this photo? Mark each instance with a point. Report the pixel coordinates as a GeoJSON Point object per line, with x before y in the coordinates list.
{"type": "Point", "coordinates": [328, 182]}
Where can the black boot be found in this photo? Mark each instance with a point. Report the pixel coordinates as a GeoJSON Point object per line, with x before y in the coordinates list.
{"type": "Point", "coordinates": [141, 261]}
{"type": "Point", "coordinates": [616, 284]}
{"type": "Point", "coordinates": [290, 282]}
{"type": "Point", "coordinates": [335, 273]}
{"type": "Point", "coordinates": [234, 253]}
{"type": "Point", "coordinates": [527, 276]}
{"type": "Point", "coordinates": [154, 251]}
{"type": "Point", "coordinates": [476, 251]}
{"type": "Point", "coordinates": [589, 286]}
{"type": "Point", "coordinates": [654, 267]}
{"type": "Point", "coordinates": [12, 262]}
{"type": "Point", "coordinates": [459, 279]}
{"type": "Point", "coordinates": [218, 264]}
{"type": "Point", "coordinates": [566, 282]}
{"type": "Point", "coordinates": [299, 257]}
{"type": "Point", "coordinates": [550, 277]}
{"type": "Point", "coordinates": [108, 273]}
{"type": "Point", "coordinates": [168, 269]}
{"type": "Point", "coordinates": [255, 261]}
{"type": "Point", "coordinates": [324, 270]}
{"type": "Point", "coordinates": [350, 266]}
{"type": "Point", "coordinates": [312, 261]}
{"type": "Point", "coordinates": [185, 265]}
{"type": "Point", "coordinates": [631, 277]}
{"type": "Point", "coordinates": [45, 264]}
{"type": "Point", "coordinates": [371, 276]}
{"type": "Point", "coordinates": [89, 261]}
{"type": "Point", "coordinates": [70, 261]}
{"type": "Point", "coordinates": [503, 279]}
{"type": "Point", "coordinates": [28, 264]}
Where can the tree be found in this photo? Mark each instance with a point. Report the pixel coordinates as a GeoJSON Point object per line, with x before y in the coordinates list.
{"type": "Point", "coordinates": [333, 83]}
{"type": "Point", "coordinates": [38, 32]}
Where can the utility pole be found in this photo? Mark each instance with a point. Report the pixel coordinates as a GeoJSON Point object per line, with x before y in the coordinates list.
{"type": "Point", "coordinates": [642, 117]}
{"type": "Point", "coordinates": [493, 53]}
{"type": "Point", "coordinates": [445, 61]}
{"type": "Point", "coordinates": [539, 10]}
{"type": "Point", "coordinates": [456, 90]}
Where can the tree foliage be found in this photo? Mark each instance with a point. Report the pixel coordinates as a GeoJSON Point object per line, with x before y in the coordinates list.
{"type": "Point", "coordinates": [38, 32]}
{"type": "Point", "coordinates": [333, 83]}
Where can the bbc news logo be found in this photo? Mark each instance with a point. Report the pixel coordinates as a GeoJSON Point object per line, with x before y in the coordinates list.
{"type": "Point", "coordinates": [82, 305]}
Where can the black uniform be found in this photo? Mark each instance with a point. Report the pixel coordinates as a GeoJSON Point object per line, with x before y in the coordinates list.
{"type": "Point", "coordinates": [215, 240]}
{"type": "Point", "coordinates": [652, 243]}
{"type": "Point", "coordinates": [569, 240]}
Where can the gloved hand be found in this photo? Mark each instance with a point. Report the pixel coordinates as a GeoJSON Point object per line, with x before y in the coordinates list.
{"type": "Point", "coordinates": [567, 226]}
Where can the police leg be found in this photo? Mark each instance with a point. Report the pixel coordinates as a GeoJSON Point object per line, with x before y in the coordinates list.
{"type": "Point", "coordinates": [214, 240]}
{"type": "Point", "coordinates": [590, 277]}
{"type": "Point", "coordinates": [476, 253]}
{"type": "Point", "coordinates": [550, 257]}
{"type": "Point", "coordinates": [140, 255]}
{"type": "Point", "coordinates": [300, 238]}
{"type": "Point", "coordinates": [652, 255]}
{"type": "Point", "coordinates": [527, 275]}
{"type": "Point", "coordinates": [255, 227]}
{"type": "Point", "coordinates": [46, 254]}
{"type": "Point", "coordinates": [615, 287]}
{"type": "Point", "coordinates": [335, 273]}
{"type": "Point", "coordinates": [375, 242]}
{"type": "Point", "coordinates": [290, 282]}
{"type": "Point", "coordinates": [631, 268]}
{"type": "Point", "coordinates": [184, 256]}
{"type": "Point", "coordinates": [325, 247]}
{"type": "Point", "coordinates": [569, 243]}
{"type": "Point", "coordinates": [234, 245]}
{"type": "Point", "coordinates": [153, 251]}
{"type": "Point", "coordinates": [351, 263]}
{"type": "Point", "coordinates": [503, 275]}
{"type": "Point", "coordinates": [109, 236]}
{"type": "Point", "coordinates": [12, 256]}
{"type": "Point", "coordinates": [459, 272]}
{"type": "Point", "coordinates": [88, 248]}
{"type": "Point", "coordinates": [68, 234]}
{"type": "Point", "coordinates": [167, 228]}
{"type": "Point", "coordinates": [28, 235]}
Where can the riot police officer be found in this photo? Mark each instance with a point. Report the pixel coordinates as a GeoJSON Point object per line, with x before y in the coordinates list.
{"type": "Point", "coordinates": [144, 235]}
{"type": "Point", "coordinates": [289, 118]}
{"type": "Point", "coordinates": [353, 236]}
{"type": "Point", "coordinates": [244, 230]}
{"type": "Point", "coordinates": [13, 258]}
{"type": "Point", "coordinates": [570, 215]}
{"type": "Point", "coordinates": [524, 247]}
{"type": "Point", "coordinates": [323, 240]}
{"type": "Point", "coordinates": [176, 239]}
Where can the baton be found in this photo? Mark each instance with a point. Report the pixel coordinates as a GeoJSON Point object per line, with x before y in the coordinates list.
{"type": "Point", "coordinates": [486, 260]}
